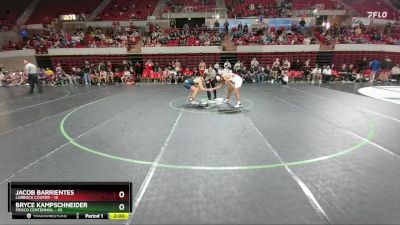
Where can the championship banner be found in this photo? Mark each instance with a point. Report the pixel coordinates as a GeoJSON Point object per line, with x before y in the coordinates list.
{"type": "Point", "coordinates": [285, 22]}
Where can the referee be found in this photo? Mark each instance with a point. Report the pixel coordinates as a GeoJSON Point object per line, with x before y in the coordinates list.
{"type": "Point", "coordinates": [33, 79]}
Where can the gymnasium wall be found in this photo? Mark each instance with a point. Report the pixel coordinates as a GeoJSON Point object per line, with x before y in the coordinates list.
{"type": "Point", "coordinates": [6, 36]}
{"type": "Point", "coordinates": [190, 56]}
{"type": "Point", "coordinates": [14, 60]}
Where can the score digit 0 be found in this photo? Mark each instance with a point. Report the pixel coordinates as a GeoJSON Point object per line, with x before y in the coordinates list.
{"type": "Point", "coordinates": [121, 194]}
{"type": "Point", "coordinates": [121, 207]}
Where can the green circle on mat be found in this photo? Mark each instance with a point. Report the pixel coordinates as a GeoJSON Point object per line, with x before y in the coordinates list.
{"type": "Point", "coordinates": [371, 134]}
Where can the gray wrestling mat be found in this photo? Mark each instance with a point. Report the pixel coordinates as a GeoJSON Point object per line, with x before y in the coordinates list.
{"type": "Point", "coordinates": [298, 154]}
{"type": "Point", "coordinates": [200, 105]}
{"type": "Point", "coordinates": [227, 108]}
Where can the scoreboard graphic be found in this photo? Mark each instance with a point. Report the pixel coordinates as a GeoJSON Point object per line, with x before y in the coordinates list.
{"type": "Point", "coordinates": [70, 200]}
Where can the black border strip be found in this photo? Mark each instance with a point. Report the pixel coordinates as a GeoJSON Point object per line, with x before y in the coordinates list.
{"type": "Point", "coordinates": [9, 197]}
{"type": "Point", "coordinates": [130, 196]}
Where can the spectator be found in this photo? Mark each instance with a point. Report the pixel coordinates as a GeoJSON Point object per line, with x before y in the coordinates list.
{"type": "Point", "coordinates": [267, 72]}
{"type": "Point", "coordinates": [296, 65]}
{"type": "Point", "coordinates": [327, 74]}
{"type": "Point", "coordinates": [87, 70]}
{"type": "Point", "coordinates": [227, 65]}
{"type": "Point", "coordinates": [172, 23]}
{"type": "Point", "coordinates": [307, 70]}
{"type": "Point", "coordinates": [2, 78]}
{"type": "Point", "coordinates": [343, 72]}
{"type": "Point", "coordinates": [306, 40]}
{"type": "Point", "coordinates": [202, 67]}
{"type": "Point", "coordinates": [240, 26]}
{"type": "Point", "coordinates": [286, 65]}
{"type": "Point", "coordinates": [283, 78]}
{"type": "Point", "coordinates": [226, 26]}
{"type": "Point", "coordinates": [316, 74]}
{"type": "Point", "coordinates": [216, 66]}
{"type": "Point", "coordinates": [395, 73]}
{"type": "Point", "coordinates": [362, 65]}
{"type": "Point", "coordinates": [275, 69]}
{"type": "Point", "coordinates": [216, 24]}
{"type": "Point", "coordinates": [387, 65]}
{"type": "Point", "coordinates": [74, 75]}
{"type": "Point", "coordinates": [260, 76]}
{"type": "Point", "coordinates": [237, 67]}
{"type": "Point", "coordinates": [254, 63]}
{"type": "Point", "coordinates": [375, 67]}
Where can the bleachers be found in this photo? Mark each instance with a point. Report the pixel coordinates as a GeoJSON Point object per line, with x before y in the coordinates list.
{"type": "Point", "coordinates": [11, 10]}
{"type": "Point", "coordinates": [47, 10]}
{"type": "Point", "coordinates": [193, 40]}
{"type": "Point", "coordinates": [68, 62]}
{"type": "Point", "coordinates": [353, 57]}
{"type": "Point", "coordinates": [244, 10]}
{"type": "Point", "coordinates": [312, 4]}
{"type": "Point", "coordinates": [363, 6]}
{"type": "Point", "coordinates": [197, 6]}
{"type": "Point", "coordinates": [119, 10]}
{"type": "Point", "coordinates": [268, 58]}
{"type": "Point", "coordinates": [191, 60]}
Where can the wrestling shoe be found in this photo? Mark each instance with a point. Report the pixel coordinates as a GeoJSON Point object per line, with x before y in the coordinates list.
{"type": "Point", "coordinates": [194, 102]}
{"type": "Point", "coordinates": [238, 106]}
{"type": "Point", "coordinates": [227, 101]}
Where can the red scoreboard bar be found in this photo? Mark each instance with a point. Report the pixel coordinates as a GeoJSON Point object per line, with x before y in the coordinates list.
{"type": "Point", "coordinates": [70, 200]}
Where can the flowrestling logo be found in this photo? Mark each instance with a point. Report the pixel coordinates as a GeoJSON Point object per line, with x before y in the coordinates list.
{"type": "Point", "coordinates": [379, 15]}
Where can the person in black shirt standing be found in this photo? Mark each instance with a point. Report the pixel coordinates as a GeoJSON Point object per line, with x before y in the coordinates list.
{"type": "Point", "coordinates": [362, 65]}
{"type": "Point", "coordinates": [210, 81]}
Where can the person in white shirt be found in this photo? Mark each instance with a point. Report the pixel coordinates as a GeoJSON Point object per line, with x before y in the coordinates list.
{"type": "Point", "coordinates": [237, 67]}
{"type": "Point", "coordinates": [254, 63]}
{"type": "Point", "coordinates": [327, 74]}
{"type": "Point", "coordinates": [316, 74]}
{"type": "Point", "coordinates": [286, 65]}
{"type": "Point", "coordinates": [227, 65]}
{"type": "Point", "coordinates": [306, 41]}
{"type": "Point", "coordinates": [33, 77]}
{"type": "Point", "coordinates": [395, 72]}
{"type": "Point", "coordinates": [2, 76]}
{"type": "Point", "coordinates": [216, 66]}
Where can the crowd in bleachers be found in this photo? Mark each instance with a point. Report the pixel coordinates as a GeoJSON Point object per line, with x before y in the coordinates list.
{"type": "Point", "coordinates": [243, 34]}
{"type": "Point", "coordinates": [119, 10]}
{"type": "Point", "coordinates": [197, 36]}
{"type": "Point", "coordinates": [286, 71]}
{"type": "Point", "coordinates": [177, 6]}
{"type": "Point", "coordinates": [279, 71]}
{"type": "Point", "coordinates": [115, 36]}
{"type": "Point", "coordinates": [298, 34]}
{"type": "Point", "coordinates": [257, 8]}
